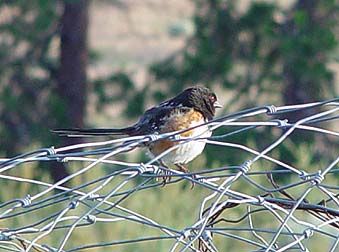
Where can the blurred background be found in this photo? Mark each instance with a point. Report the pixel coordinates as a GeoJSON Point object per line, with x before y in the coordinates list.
{"type": "Point", "coordinates": [82, 63]}
{"type": "Point", "coordinates": [101, 63]}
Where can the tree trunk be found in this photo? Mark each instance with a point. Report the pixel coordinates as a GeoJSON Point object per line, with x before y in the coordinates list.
{"type": "Point", "coordinates": [72, 79]}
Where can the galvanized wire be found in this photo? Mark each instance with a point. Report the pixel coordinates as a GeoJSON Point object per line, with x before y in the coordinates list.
{"type": "Point", "coordinates": [271, 216]}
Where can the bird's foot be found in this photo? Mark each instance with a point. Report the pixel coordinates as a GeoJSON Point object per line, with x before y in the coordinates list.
{"type": "Point", "coordinates": [166, 178]}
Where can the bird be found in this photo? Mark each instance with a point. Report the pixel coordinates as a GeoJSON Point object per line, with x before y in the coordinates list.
{"type": "Point", "coordinates": [192, 107]}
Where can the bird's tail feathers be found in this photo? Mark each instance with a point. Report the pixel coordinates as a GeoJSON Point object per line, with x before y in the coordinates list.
{"type": "Point", "coordinates": [78, 132]}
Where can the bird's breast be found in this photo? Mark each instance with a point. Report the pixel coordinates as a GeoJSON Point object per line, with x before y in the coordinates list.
{"type": "Point", "coordinates": [183, 151]}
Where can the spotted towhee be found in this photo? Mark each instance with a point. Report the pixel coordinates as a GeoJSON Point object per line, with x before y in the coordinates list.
{"type": "Point", "coordinates": [192, 107]}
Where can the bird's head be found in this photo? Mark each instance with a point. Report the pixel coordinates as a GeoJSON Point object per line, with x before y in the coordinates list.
{"type": "Point", "coordinates": [201, 99]}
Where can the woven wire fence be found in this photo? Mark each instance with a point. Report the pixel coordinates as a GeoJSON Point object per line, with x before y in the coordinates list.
{"type": "Point", "coordinates": [260, 204]}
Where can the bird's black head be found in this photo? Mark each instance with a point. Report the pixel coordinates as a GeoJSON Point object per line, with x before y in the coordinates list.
{"type": "Point", "coordinates": [200, 98]}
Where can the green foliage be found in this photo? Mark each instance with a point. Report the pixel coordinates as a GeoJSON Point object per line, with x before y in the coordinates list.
{"type": "Point", "coordinates": [119, 88]}
{"type": "Point", "coordinates": [27, 70]}
{"type": "Point", "coordinates": [250, 49]}
{"type": "Point", "coordinates": [222, 42]}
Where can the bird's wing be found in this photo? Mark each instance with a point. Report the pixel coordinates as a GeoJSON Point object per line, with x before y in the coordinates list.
{"type": "Point", "coordinates": [154, 118]}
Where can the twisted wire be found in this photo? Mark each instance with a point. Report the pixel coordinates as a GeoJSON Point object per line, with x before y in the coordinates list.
{"type": "Point", "coordinates": [248, 204]}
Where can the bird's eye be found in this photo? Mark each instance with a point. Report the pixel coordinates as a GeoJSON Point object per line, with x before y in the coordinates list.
{"type": "Point", "coordinates": [212, 98]}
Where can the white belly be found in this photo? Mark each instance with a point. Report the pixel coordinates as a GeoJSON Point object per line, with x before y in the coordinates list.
{"type": "Point", "coordinates": [187, 151]}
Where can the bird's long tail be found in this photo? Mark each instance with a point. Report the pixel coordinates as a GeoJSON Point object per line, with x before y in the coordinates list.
{"type": "Point", "coordinates": [77, 132]}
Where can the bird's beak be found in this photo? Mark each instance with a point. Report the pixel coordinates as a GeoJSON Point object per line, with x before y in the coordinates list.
{"type": "Point", "coordinates": [217, 104]}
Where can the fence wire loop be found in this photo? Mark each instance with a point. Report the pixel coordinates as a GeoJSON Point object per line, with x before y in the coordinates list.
{"type": "Point", "coordinates": [93, 196]}
{"type": "Point", "coordinates": [245, 167]}
{"type": "Point", "coordinates": [142, 168]}
{"type": "Point", "coordinates": [271, 109]}
{"type": "Point", "coordinates": [186, 233]}
{"type": "Point", "coordinates": [91, 219]}
{"type": "Point", "coordinates": [318, 178]}
{"type": "Point", "coordinates": [303, 175]}
{"type": "Point", "coordinates": [73, 204]}
{"type": "Point", "coordinates": [281, 123]}
{"type": "Point", "coordinates": [26, 201]}
{"type": "Point", "coordinates": [153, 137]}
{"type": "Point", "coordinates": [5, 237]}
{"type": "Point", "coordinates": [266, 203]}
{"type": "Point", "coordinates": [308, 233]}
{"type": "Point", "coordinates": [51, 151]}
{"type": "Point", "coordinates": [206, 235]}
